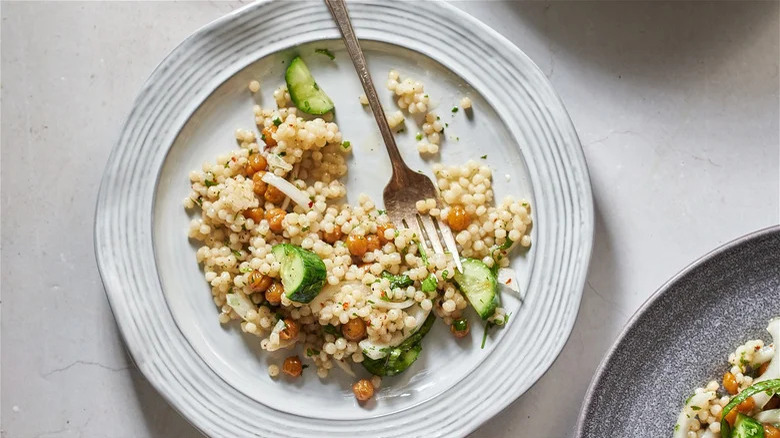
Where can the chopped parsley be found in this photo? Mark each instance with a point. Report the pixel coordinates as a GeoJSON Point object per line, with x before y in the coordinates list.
{"type": "Point", "coordinates": [429, 284]}
{"type": "Point", "coordinates": [236, 253]}
{"type": "Point", "coordinates": [306, 228]}
{"type": "Point", "coordinates": [304, 366]}
{"type": "Point", "coordinates": [227, 164]}
{"type": "Point", "coordinates": [445, 274]}
{"type": "Point", "coordinates": [401, 130]}
{"type": "Point", "coordinates": [325, 52]}
{"type": "Point", "coordinates": [695, 408]}
{"type": "Point", "coordinates": [346, 144]}
{"type": "Point", "coordinates": [383, 296]}
{"type": "Point", "coordinates": [484, 157]}
{"type": "Point", "coordinates": [454, 109]}
{"type": "Point", "coordinates": [282, 154]}
{"type": "Point", "coordinates": [485, 334]}
{"type": "Point", "coordinates": [209, 183]}
{"type": "Point", "coordinates": [277, 121]}
{"type": "Point", "coordinates": [381, 212]}
{"type": "Point", "coordinates": [423, 255]}
{"type": "Point", "coordinates": [331, 330]}
{"type": "Point", "coordinates": [418, 137]}
{"type": "Point", "coordinates": [245, 270]}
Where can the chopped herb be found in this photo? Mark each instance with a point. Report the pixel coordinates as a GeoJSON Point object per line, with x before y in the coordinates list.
{"type": "Point", "coordinates": [236, 253]}
{"type": "Point", "coordinates": [325, 52]}
{"type": "Point", "coordinates": [401, 130]}
{"type": "Point", "coordinates": [279, 316]}
{"type": "Point", "coordinates": [383, 296]}
{"type": "Point", "coordinates": [209, 183]}
{"type": "Point", "coordinates": [423, 255]}
{"type": "Point", "coordinates": [227, 164]}
{"type": "Point", "coordinates": [438, 118]}
{"type": "Point", "coordinates": [429, 284]}
{"type": "Point", "coordinates": [688, 399]}
{"type": "Point", "coordinates": [484, 335]}
{"type": "Point", "coordinates": [370, 301]}
{"type": "Point", "coordinates": [262, 136]}
{"type": "Point", "coordinates": [446, 125]}
{"type": "Point", "coordinates": [199, 201]}
{"type": "Point", "coordinates": [484, 157]}
{"type": "Point", "coordinates": [397, 281]}
{"type": "Point", "coordinates": [525, 204]}
{"type": "Point", "coordinates": [331, 330]}
{"type": "Point", "coordinates": [676, 427]}
{"type": "Point", "coordinates": [418, 137]}
{"type": "Point", "coordinates": [304, 366]}
{"type": "Point", "coordinates": [460, 324]}
{"type": "Point", "coordinates": [381, 212]}
{"type": "Point", "coordinates": [306, 228]}
{"type": "Point", "coordinates": [252, 151]}
{"type": "Point", "coordinates": [277, 121]}
{"type": "Point", "coordinates": [346, 144]}
{"type": "Point", "coordinates": [245, 269]}
{"type": "Point", "coordinates": [507, 243]}
{"type": "Point", "coordinates": [425, 95]}
{"type": "Point", "coordinates": [454, 109]}
{"type": "Point", "coordinates": [282, 154]}
{"type": "Point", "coordinates": [695, 408]}
{"type": "Point", "coordinates": [312, 352]}
{"type": "Point", "coordinates": [445, 274]}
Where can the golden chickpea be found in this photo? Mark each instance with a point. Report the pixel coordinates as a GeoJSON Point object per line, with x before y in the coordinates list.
{"type": "Point", "coordinates": [291, 329]}
{"type": "Point", "coordinates": [292, 366]}
{"type": "Point", "coordinates": [332, 237]}
{"type": "Point", "coordinates": [259, 186]}
{"type": "Point", "coordinates": [771, 431]}
{"type": "Point", "coordinates": [256, 163]}
{"type": "Point", "coordinates": [372, 242]}
{"type": "Point", "coordinates": [354, 330]}
{"type": "Point", "coordinates": [256, 214]}
{"type": "Point", "coordinates": [460, 328]}
{"type": "Point", "coordinates": [259, 282]}
{"type": "Point", "coordinates": [363, 390]}
{"type": "Point", "coordinates": [380, 232]}
{"type": "Point", "coordinates": [275, 216]}
{"type": "Point", "coordinates": [357, 245]}
{"type": "Point", "coordinates": [457, 218]}
{"type": "Point", "coordinates": [730, 383]}
{"type": "Point", "coordinates": [274, 293]}
{"type": "Point", "coordinates": [274, 195]}
{"type": "Point", "coordinates": [762, 368]}
{"type": "Point", "coordinates": [267, 136]}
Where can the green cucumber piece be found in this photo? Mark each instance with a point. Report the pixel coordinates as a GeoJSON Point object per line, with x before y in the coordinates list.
{"type": "Point", "coordinates": [480, 286]}
{"type": "Point", "coordinates": [303, 272]}
{"type": "Point", "coordinates": [304, 91]}
{"type": "Point", "coordinates": [746, 427]}
{"type": "Point", "coordinates": [400, 358]}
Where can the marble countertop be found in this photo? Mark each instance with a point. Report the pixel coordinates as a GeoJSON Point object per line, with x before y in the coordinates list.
{"type": "Point", "coordinates": [676, 105]}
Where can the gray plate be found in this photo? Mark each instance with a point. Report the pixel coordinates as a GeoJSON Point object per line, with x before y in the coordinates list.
{"type": "Point", "coordinates": [682, 336]}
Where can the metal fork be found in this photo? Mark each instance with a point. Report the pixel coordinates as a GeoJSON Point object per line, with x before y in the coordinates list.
{"type": "Point", "coordinates": [406, 186]}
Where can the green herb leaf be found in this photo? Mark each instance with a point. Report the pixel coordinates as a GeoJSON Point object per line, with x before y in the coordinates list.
{"type": "Point", "coordinates": [245, 270]}
{"type": "Point", "coordinates": [423, 255]}
{"type": "Point", "coordinates": [429, 284]}
{"type": "Point", "coordinates": [277, 121]}
{"type": "Point", "coordinates": [331, 330]}
{"type": "Point", "coordinates": [484, 157]}
{"type": "Point", "coordinates": [485, 335]}
{"type": "Point", "coordinates": [381, 212]}
{"type": "Point", "coordinates": [418, 137]}
{"type": "Point", "coordinates": [304, 366]}
{"type": "Point", "coordinates": [325, 52]}
{"type": "Point", "coordinates": [346, 144]}
{"type": "Point", "coordinates": [445, 274]}
{"type": "Point", "coordinates": [454, 109]}
{"type": "Point", "coordinates": [396, 281]}
{"type": "Point", "coordinates": [209, 183]}
{"type": "Point", "coordinates": [236, 253]}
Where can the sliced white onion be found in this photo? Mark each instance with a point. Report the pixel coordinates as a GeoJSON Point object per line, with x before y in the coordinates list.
{"type": "Point", "coordinates": [345, 366]}
{"type": "Point", "coordinates": [275, 161]}
{"type": "Point", "coordinates": [297, 195]}
{"type": "Point", "coordinates": [393, 304]}
{"type": "Point", "coordinates": [378, 350]}
{"type": "Point", "coordinates": [771, 416]}
{"type": "Point", "coordinates": [773, 370]}
{"type": "Point", "coordinates": [293, 176]}
{"type": "Point", "coordinates": [240, 303]}
{"type": "Point", "coordinates": [283, 343]}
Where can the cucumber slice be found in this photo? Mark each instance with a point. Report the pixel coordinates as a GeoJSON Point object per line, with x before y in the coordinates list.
{"type": "Point", "coordinates": [303, 272]}
{"type": "Point", "coordinates": [304, 91]}
{"type": "Point", "coordinates": [746, 427]}
{"type": "Point", "coordinates": [400, 358]}
{"type": "Point", "coordinates": [479, 285]}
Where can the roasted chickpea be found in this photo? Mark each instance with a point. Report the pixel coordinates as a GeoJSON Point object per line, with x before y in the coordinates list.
{"type": "Point", "coordinates": [267, 136]}
{"type": "Point", "coordinates": [730, 383]}
{"type": "Point", "coordinates": [334, 236]}
{"type": "Point", "coordinates": [291, 329]}
{"type": "Point", "coordinates": [275, 216]}
{"type": "Point", "coordinates": [457, 218]}
{"type": "Point", "coordinates": [354, 330]}
{"type": "Point", "coordinates": [259, 186]}
{"type": "Point", "coordinates": [256, 163]}
{"type": "Point", "coordinates": [380, 232]}
{"type": "Point", "coordinates": [274, 293]}
{"type": "Point", "coordinates": [259, 282]}
{"type": "Point", "coordinates": [274, 195]}
{"type": "Point", "coordinates": [762, 368]}
{"type": "Point", "coordinates": [771, 431]}
{"type": "Point", "coordinates": [363, 390]}
{"type": "Point", "coordinates": [372, 242]}
{"type": "Point", "coordinates": [256, 214]}
{"type": "Point", "coordinates": [460, 327]}
{"type": "Point", "coordinates": [357, 245]}
{"type": "Point", "coordinates": [292, 366]}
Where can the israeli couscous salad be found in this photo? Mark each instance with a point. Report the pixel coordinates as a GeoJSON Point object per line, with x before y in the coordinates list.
{"type": "Point", "coordinates": [330, 280]}
{"type": "Point", "coordinates": [746, 404]}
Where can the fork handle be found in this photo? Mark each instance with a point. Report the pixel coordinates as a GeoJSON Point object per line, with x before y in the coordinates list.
{"type": "Point", "coordinates": [339, 11]}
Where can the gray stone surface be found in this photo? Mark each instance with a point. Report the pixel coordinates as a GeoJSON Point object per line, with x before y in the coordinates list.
{"type": "Point", "coordinates": [676, 105]}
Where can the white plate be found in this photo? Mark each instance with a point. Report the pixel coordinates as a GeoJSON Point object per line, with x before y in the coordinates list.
{"type": "Point", "coordinates": [187, 113]}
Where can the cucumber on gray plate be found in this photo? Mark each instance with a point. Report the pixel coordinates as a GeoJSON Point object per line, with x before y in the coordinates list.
{"type": "Point", "coordinates": [480, 286]}
{"type": "Point", "coordinates": [303, 272]}
{"type": "Point", "coordinates": [304, 91]}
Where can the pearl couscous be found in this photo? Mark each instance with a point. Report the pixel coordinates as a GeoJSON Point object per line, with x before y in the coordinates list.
{"type": "Point", "coordinates": [746, 395]}
{"type": "Point", "coordinates": [282, 188]}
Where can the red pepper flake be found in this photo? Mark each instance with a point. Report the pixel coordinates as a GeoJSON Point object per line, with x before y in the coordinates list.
{"type": "Point", "coordinates": [311, 203]}
{"type": "Point", "coordinates": [508, 281]}
{"type": "Point", "coordinates": [345, 306]}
